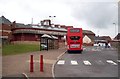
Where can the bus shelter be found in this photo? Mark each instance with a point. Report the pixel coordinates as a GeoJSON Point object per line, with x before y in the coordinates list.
{"type": "Point", "coordinates": [48, 42]}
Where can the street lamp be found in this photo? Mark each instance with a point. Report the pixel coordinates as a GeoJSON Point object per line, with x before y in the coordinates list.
{"type": "Point", "coordinates": [52, 18]}
{"type": "Point", "coordinates": [115, 27]}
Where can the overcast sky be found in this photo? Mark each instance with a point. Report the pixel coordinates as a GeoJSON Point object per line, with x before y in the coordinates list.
{"type": "Point", "coordinates": [95, 15]}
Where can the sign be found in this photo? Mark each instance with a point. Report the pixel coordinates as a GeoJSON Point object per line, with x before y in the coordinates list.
{"type": "Point", "coordinates": [74, 30]}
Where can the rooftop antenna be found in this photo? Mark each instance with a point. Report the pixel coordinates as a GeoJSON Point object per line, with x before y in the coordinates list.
{"type": "Point", "coordinates": [98, 32]}
{"type": "Point", "coordinates": [32, 21]}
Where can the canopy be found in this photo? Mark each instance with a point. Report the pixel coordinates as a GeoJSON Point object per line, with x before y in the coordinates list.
{"type": "Point", "coordinates": [46, 36]}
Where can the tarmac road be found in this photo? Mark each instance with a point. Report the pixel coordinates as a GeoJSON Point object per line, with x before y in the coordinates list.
{"type": "Point", "coordinates": [93, 62]}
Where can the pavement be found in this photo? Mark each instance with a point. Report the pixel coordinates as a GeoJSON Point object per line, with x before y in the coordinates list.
{"type": "Point", "coordinates": [15, 65]}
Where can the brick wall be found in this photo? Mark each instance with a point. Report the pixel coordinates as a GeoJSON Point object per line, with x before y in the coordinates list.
{"type": "Point", "coordinates": [6, 27]}
{"type": "Point", "coordinates": [26, 42]}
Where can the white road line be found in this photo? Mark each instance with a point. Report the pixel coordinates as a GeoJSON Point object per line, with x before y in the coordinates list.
{"type": "Point", "coordinates": [26, 77]}
{"type": "Point", "coordinates": [111, 62]}
{"type": "Point", "coordinates": [74, 62]}
{"type": "Point", "coordinates": [61, 62]}
{"type": "Point", "coordinates": [118, 61]}
{"type": "Point", "coordinates": [84, 48]}
{"type": "Point", "coordinates": [87, 62]}
{"type": "Point", "coordinates": [99, 62]}
{"type": "Point", "coordinates": [53, 66]}
{"type": "Point", "coordinates": [96, 49]}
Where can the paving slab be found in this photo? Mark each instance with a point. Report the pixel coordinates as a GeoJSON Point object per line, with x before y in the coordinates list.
{"type": "Point", "coordinates": [17, 64]}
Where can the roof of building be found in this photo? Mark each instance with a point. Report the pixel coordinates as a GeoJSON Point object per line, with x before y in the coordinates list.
{"type": "Point", "coordinates": [49, 36]}
{"type": "Point", "coordinates": [4, 20]}
{"type": "Point", "coordinates": [88, 32]}
{"type": "Point", "coordinates": [107, 38]}
{"type": "Point", "coordinates": [46, 36]}
{"type": "Point", "coordinates": [21, 25]}
{"type": "Point", "coordinates": [86, 39]}
{"type": "Point", "coordinates": [117, 37]}
{"type": "Point", "coordinates": [50, 28]}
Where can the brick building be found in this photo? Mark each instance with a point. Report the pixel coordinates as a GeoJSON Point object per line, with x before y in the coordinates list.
{"type": "Point", "coordinates": [102, 39]}
{"type": "Point", "coordinates": [88, 37]}
{"type": "Point", "coordinates": [116, 41]}
{"type": "Point", "coordinates": [32, 33]}
{"type": "Point", "coordinates": [5, 30]}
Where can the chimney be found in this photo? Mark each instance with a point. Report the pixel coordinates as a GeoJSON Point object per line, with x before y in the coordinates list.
{"type": "Point", "coordinates": [69, 27]}
{"type": "Point", "coordinates": [57, 25]}
{"type": "Point", "coordinates": [41, 23]}
{"type": "Point", "coordinates": [62, 26]}
{"type": "Point", "coordinates": [13, 25]}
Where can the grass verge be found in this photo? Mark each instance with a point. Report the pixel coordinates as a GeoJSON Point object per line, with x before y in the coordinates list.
{"type": "Point", "coordinates": [19, 49]}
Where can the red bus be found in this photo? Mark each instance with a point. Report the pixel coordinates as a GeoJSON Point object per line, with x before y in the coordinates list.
{"type": "Point", "coordinates": [74, 39]}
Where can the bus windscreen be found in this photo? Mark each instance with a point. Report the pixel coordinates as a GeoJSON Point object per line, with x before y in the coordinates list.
{"type": "Point", "coordinates": [74, 37]}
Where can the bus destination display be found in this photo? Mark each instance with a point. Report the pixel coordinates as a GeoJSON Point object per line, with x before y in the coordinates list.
{"type": "Point", "coordinates": [74, 30]}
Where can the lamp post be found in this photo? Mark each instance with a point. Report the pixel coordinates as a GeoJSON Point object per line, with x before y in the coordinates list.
{"type": "Point", "coordinates": [52, 18]}
{"type": "Point", "coordinates": [115, 27]}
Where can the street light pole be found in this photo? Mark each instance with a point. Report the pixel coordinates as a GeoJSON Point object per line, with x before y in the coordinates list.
{"type": "Point", "coordinates": [52, 18]}
{"type": "Point", "coordinates": [115, 28]}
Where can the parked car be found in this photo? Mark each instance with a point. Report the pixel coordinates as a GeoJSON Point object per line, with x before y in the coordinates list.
{"type": "Point", "coordinates": [44, 46]}
{"type": "Point", "coordinates": [95, 45]}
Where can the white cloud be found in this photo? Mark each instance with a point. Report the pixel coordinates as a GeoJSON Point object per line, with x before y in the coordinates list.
{"type": "Point", "coordinates": [66, 12]}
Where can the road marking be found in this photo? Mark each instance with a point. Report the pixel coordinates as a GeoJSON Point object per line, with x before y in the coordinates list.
{"type": "Point", "coordinates": [99, 62]}
{"type": "Point", "coordinates": [61, 62]}
{"type": "Point", "coordinates": [111, 62]}
{"type": "Point", "coordinates": [53, 66]}
{"type": "Point", "coordinates": [84, 48]}
{"type": "Point", "coordinates": [102, 48]}
{"type": "Point", "coordinates": [118, 61]}
{"type": "Point", "coordinates": [94, 49]}
{"type": "Point", "coordinates": [61, 55]}
{"type": "Point", "coordinates": [87, 62]}
{"type": "Point", "coordinates": [26, 77]}
{"type": "Point", "coordinates": [74, 62]}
